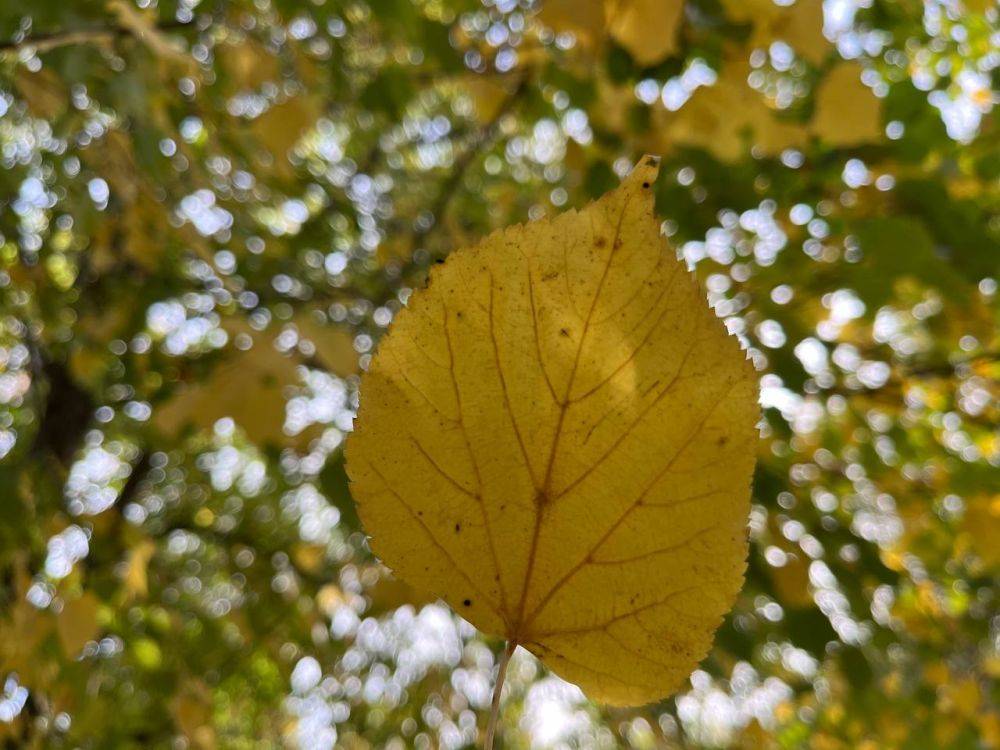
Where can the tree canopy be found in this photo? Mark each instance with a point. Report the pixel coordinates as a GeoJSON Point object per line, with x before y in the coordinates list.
{"type": "Point", "coordinates": [211, 211]}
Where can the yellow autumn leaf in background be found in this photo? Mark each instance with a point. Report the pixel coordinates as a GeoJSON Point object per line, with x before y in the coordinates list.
{"type": "Point", "coordinates": [646, 28]}
{"type": "Point", "coordinates": [247, 386]}
{"type": "Point", "coordinates": [487, 95]}
{"type": "Point", "coordinates": [800, 25]}
{"type": "Point", "coordinates": [247, 63]}
{"type": "Point", "coordinates": [847, 112]}
{"type": "Point", "coordinates": [136, 578]}
{"type": "Point", "coordinates": [77, 623]}
{"type": "Point", "coordinates": [281, 126]}
{"type": "Point", "coordinates": [582, 18]}
{"type": "Point", "coordinates": [982, 524]}
{"type": "Point", "coordinates": [728, 117]}
{"type": "Point", "coordinates": [251, 384]}
{"type": "Point", "coordinates": [192, 713]}
{"type": "Point", "coordinates": [557, 437]}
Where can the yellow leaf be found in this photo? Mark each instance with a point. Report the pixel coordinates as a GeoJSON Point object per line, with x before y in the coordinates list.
{"type": "Point", "coordinates": [756, 737]}
{"type": "Point", "coordinates": [728, 117]}
{"type": "Point", "coordinates": [791, 582]}
{"type": "Point", "coordinates": [800, 25]}
{"type": "Point", "coordinates": [192, 712]}
{"type": "Point", "coordinates": [77, 623]}
{"type": "Point", "coordinates": [333, 344]}
{"type": "Point", "coordinates": [582, 18]}
{"type": "Point", "coordinates": [247, 63]}
{"type": "Point", "coordinates": [936, 673]}
{"type": "Point", "coordinates": [329, 598]}
{"type": "Point", "coordinates": [487, 95]}
{"type": "Point", "coordinates": [646, 28]}
{"type": "Point", "coordinates": [751, 11]}
{"type": "Point", "coordinates": [136, 575]}
{"type": "Point", "coordinates": [309, 557]}
{"type": "Point", "coordinates": [247, 387]}
{"type": "Point", "coordinates": [280, 127]}
{"type": "Point", "coordinates": [616, 99]}
{"type": "Point", "coordinates": [961, 697]}
{"type": "Point", "coordinates": [23, 631]}
{"type": "Point", "coordinates": [847, 112]}
{"type": "Point", "coordinates": [43, 92]}
{"type": "Point", "coordinates": [556, 437]}
{"type": "Point", "coordinates": [982, 523]}
{"type": "Point", "coordinates": [989, 727]}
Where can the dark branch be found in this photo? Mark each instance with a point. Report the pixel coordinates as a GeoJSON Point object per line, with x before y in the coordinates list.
{"type": "Point", "coordinates": [66, 413]}
{"type": "Point", "coordinates": [480, 140]}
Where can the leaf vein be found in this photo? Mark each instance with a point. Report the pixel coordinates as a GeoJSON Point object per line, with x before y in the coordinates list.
{"type": "Point", "coordinates": [505, 391]}
{"type": "Point", "coordinates": [682, 545]}
{"type": "Point", "coordinates": [630, 509]}
{"type": "Point", "coordinates": [434, 540]}
{"type": "Point", "coordinates": [635, 351]}
{"type": "Point", "coordinates": [532, 554]}
{"type": "Point", "coordinates": [475, 467]}
{"type": "Point", "coordinates": [437, 467]}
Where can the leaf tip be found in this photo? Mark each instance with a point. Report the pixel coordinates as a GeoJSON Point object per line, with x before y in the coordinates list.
{"type": "Point", "coordinates": [645, 171]}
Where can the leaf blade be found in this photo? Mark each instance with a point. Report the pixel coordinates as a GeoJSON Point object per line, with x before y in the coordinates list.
{"type": "Point", "coordinates": [567, 431]}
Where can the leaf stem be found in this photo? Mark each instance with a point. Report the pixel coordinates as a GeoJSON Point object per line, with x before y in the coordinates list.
{"type": "Point", "coordinates": [491, 727]}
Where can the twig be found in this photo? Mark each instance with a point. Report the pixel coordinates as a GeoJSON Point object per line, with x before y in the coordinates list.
{"type": "Point", "coordinates": [491, 727]}
{"type": "Point", "coordinates": [482, 137]}
{"type": "Point", "coordinates": [46, 41]}
{"type": "Point", "coordinates": [948, 368]}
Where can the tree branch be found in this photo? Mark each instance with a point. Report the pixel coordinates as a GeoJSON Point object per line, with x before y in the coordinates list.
{"type": "Point", "coordinates": [49, 40]}
{"type": "Point", "coordinates": [65, 413]}
{"type": "Point", "coordinates": [944, 369]}
{"type": "Point", "coordinates": [482, 137]}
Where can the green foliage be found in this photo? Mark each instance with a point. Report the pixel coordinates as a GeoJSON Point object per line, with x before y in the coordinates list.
{"type": "Point", "coordinates": [216, 212]}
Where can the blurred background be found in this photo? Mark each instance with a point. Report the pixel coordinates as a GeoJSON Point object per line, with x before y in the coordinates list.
{"type": "Point", "coordinates": [211, 211]}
